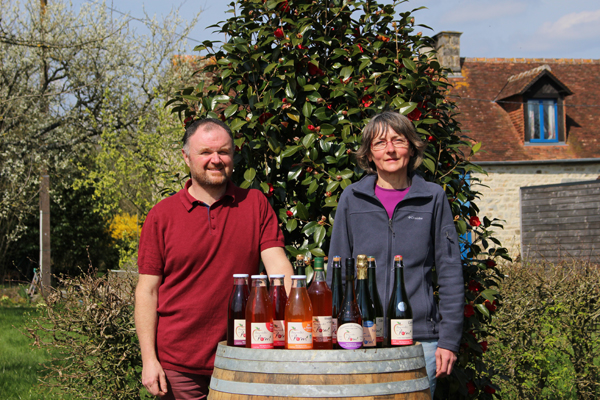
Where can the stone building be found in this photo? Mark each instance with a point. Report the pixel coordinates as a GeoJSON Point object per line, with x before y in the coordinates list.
{"type": "Point", "coordinates": [538, 121]}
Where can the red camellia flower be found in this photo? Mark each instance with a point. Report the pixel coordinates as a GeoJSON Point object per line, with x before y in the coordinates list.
{"type": "Point", "coordinates": [490, 263]}
{"type": "Point", "coordinates": [264, 117]}
{"type": "Point", "coordinates": [366, 100]}
{"type": "Point", "coordinates": [489, 305]}
{"type": "Point", "coordinates": [431, 139]}
{"type": "Point", "coordinates": [489, 389]}
{"type": "Point", "coordinates": [187, 120]}
{"type": "Point", "coordinates": [302, 47]}
{"type": "Point", "coordinates": [484, 346]}
{"type": "Point", "coordinates": [314, 70]}
{"type": "Point", "coordinates": [474, 286]}
{"type": "Point", "coordinates": [474, 221]}
{"type": "Point", "coordinates": [311, 128]}
{"type": "Point", "coordinates": [289, 213]}
{"type": "Point", "coordinates": [270, 192]}
{"type": "Point", "coordinates": [469, 311]}
{"type": "Point", "coordinates": [414, 115]}
{"type": "Point", "coordinates": [360, 48]}
{"type": "Point", "coordinates": [278, 33]}
{"type": "Point", "coordinates": [471, 387]}
{"type": "Point", "coordinates": [285, 7]}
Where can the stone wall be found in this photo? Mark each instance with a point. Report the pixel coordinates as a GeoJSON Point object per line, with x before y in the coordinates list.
{"type": "Point", "coordinates": [501, 198]}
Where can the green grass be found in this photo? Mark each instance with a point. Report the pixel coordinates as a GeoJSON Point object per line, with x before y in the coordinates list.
{"type": "Point", "coordinates": [20, 363]}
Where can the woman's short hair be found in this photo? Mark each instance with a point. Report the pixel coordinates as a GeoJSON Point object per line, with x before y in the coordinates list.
{"type": "Point", "coordinates": [378, 126]}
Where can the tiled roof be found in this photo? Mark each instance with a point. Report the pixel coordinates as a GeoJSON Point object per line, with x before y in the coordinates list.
{"type": "Point", "coordinates": [485, 80]}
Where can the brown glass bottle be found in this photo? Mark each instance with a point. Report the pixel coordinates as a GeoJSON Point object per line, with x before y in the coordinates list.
{"type": "Point", "coordinates": [259, 315]}
{"type": "Point", "coordinates": [337, 295]}
{"type": "Point", "coordinates": [399, 318]}
{"type": "Point", "coordinates": [372, 283]}
{"type": "Point", "coordinates": [298, 316]}
{"type": "Point", "coordinates": [320, 297]}
{"type": "Point", "coordinates": [236, 314]}
{"type": "Point", "coordinates": [350, 332]}
{"type": "Point", "coordinates": [365, 303]}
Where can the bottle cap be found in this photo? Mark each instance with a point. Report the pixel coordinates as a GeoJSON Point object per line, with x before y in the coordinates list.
{"type": "Point", "coordinates": [298, 276]}
{"type": "Point", "coordinates": [277, 276]}
{"type": "Point", "coordinates": [337, 259]}
{"type": "Point", "coordinates": [240, 275]}
{"type": "Point", "coordinates": [259, 277]}
{"type": "Point", "coordinates": [361, 260]}
{"type": "Point", "coordinates": [299, 257]}
{"type": "Point", "coordinates": [319, 263]}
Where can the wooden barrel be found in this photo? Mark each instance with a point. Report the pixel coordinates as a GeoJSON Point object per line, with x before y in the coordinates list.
{"type": "Point", "coordinates": [392, 373]}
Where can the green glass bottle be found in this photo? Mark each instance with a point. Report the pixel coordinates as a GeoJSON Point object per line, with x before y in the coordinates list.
{"type": "Point", "coordinates": [399, 319]}
{"type": "Point", "coordinates": [374, 292]}
{"type": "Point", "coordinates": [365, 303]}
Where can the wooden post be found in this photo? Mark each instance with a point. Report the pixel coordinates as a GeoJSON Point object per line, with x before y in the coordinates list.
{"type": "Point", "coordinates": [45, 254]}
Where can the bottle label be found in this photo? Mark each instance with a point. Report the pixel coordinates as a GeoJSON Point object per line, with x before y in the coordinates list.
{"type": "Point", "coordinates": [239, 332]}
{"type": "Point", "coordinates": [380, 326]}
{"type": "Point", "coordinates": [322, 329]}
{"type": "Point", "coordinates": [350, 336]}
{"type": "Point", "coordinates": [402, 332]}
{"type": "Point", "coordinates": [369, 334]}
{"type": "Point", "coordinates": [262, 335]}
{"type": "Point", "coordinates": [299, 335]}
{"type": "Point", "coordinates": [334, 330]}
{"type": "Point", "coordinates": [279, 332]}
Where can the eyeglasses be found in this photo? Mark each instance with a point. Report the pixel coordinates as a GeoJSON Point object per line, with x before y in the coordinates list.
{"type": "Point", "coordinates": [381, 144]}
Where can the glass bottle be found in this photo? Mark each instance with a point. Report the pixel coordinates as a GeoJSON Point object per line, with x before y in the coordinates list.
{"type": "Point", "coordinates": [374, 292]}
{"type": "Point", "coordinates": [299, 265]}
{"type": "Point", "coordinates": [259, 315]}
{"type": "Point", "coordinates": [320, 298]}
{"type": "Point", "coordinates": [365, 303]}
{"type": "Point", "coordinates": [278, 301]}
{"type": "Point", "coordinates": [236, 314]}
{"type": "Point", "coordinates": [337, 295]}
{"type": "Point", "coordinates": [298, 316]}
{"type": "Point", "coordinates": [399, 319]}
{"type": "Point", "coordinates": [349, 333]}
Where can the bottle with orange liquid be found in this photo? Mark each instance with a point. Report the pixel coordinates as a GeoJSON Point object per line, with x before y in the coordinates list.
{"type": "Point", "coordinates": [278, 301]}
{"type": "Point", "coordinates": [298, 316]}
{"type": "Point", "coordinates": [236, 315]}
{"type": "Point", "coordinates": [320, 298]}
{"type": "Point", "coordinates": [259, 315]}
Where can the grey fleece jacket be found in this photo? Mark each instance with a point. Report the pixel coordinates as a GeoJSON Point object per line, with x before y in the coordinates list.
{"type": "Point", "coordinates": [422, 231]}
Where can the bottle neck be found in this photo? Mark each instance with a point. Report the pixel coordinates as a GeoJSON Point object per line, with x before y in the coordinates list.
{"type": "Point", "coordinates": [256, 283]}
{"type": "Point", "coordinates": [298, 283]}
{"type": "Point", "coordinates": [349, 294]}
{"type": "Point", "coordinates": [319, 275]}
{"type": "Point", "coordinates": [240, 281]}
{"type": "Point", "coordinates": [276, 281]}
{"type": "Point", "coordinates": [398, 277]}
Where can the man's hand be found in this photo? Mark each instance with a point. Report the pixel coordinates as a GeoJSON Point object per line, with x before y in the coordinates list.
{"type": "Point", "coordinates": [153, 378]}
{"type": "Point", "coordinates": [444, 361]}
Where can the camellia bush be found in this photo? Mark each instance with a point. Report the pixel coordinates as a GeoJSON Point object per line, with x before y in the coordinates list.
{"type": "Point", "coordinates": [297, 81]}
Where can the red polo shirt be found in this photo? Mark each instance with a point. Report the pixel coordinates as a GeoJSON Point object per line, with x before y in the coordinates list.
{"type": "Point", "coordinates": [197, 249]}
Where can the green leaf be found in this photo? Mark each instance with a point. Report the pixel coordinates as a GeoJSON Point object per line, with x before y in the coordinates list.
{"type": "Point", "coordinates": [190, 97]}
{"type": "Point", "coordinates": [290, 151]}
{"type": "Point", "coordinates": [461, 227]}
{"type": "Point", "coordinates": [314, 185]}
{"type": "Point", "coordinates": [308, 140]}
{"type": "Point", "coordinates": [236, 124]}
{"type": "Point", "coordinates": [409, 64]}
{"type": "Point", "coordinates": [294, 116]}
{"type": "Point", "coordinates": [301, 211]}
{"type": "Point", "coordinates": [429, 164]}
{"type": "Point", "coordinates": [345, 183]}
{"type": "Point", "coordinates": [294, 173]}
{"type": "Point", "coordinates": [250, 174]}
{"type": "Point", "coordinates": [332, 186]}
{"type": "Point", "coordinates": [310, 228]}
{"type": "Point", "coordinates": [230, 110]}
{"type": "Point", "coordinates": [346, 72]}
{"type": "Point", "coordinates": [489, 294]}
{"type": "Point", "coordinates": [307, 109]}
{"type": "Point", "coordinates": [291, 225]}
{"type": "Point", "coordinates": [317, 252]}
{"type": "Point", "coordinates": [476, 147]}
{"type": "Point", "coordinates": [483, 309]}
{"type": "Point", "coordinates": [319, 235]}
{"type": "Point", "coordinates": [269, 69]}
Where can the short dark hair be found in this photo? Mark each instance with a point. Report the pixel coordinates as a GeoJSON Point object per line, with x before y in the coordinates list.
{"type": "Point", "coordinates": [209, 123]}
{"type": "Point", "coordinates": [377, 126]}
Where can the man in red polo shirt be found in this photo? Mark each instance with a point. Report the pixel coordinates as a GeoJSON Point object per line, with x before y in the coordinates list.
{"type": "Point", "coordinates": [190, 246]}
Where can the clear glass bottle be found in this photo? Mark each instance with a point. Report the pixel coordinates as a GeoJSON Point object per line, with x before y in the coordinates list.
{"type": "Point", "coordinates": [320, 298]}
{"type": "Point", "coordinates": [278, 301]}
{"type": "Point", "coordinates": [236, 314]}
{"type": "Point", "coordinates": [350, 332]}
{"type": "Point", "coordinates": [259, 315]}
{"type": "Point", "coordinates": [372, 282]}
{"type": "Point", "coordinates": [399, 319]}
{"type": "Point", "coordinates": [298, 316]}
{"type": "Point", "coordinates": [365, 303]}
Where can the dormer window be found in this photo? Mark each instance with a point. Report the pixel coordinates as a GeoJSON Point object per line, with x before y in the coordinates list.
{"type": "Point", "coordinates": [542, 121]}
{"type": "Point", "coordinates": [535, 100]}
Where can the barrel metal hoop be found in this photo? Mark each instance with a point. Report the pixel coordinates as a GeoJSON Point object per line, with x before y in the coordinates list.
{"type": "Point", "coordinates": [377, 354]}
{"type": "Point", "coordinates": [319, 391]}
{"type": "Point", "coordinates": [321, 368]}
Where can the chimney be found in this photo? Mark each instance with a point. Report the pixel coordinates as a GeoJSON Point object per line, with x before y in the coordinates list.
{"type": "Point", "coordinates": [447, 46]}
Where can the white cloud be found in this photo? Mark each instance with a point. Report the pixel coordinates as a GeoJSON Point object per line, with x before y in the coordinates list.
{"type": "Point", "coordinates": [570, 31]}
{"type": "Point", "coordinates": [477, 11]}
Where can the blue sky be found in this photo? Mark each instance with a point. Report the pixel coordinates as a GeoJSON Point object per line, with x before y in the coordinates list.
{"type": "Point", "coordinates": [491, 28]}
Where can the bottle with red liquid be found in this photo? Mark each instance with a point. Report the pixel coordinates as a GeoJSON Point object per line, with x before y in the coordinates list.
{"type": "Point", "coordinates": [350, 331]}
{"type": "Point", "coordinates": [298, 316]}
{"type": "Point", "coordinates": [320, 298]}
{"type": "Point", "coordinates": [259, 315]}
{"type": "Point", "coordinates": [236, 315]}
{"type": "Point", "coordinates": [337, 296]}
{"type": "Point", "coordinates": [278, 301]}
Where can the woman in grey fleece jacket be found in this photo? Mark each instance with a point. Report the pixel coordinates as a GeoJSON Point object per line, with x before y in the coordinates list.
{"type": "Point", "coordinates": [419, 227]}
